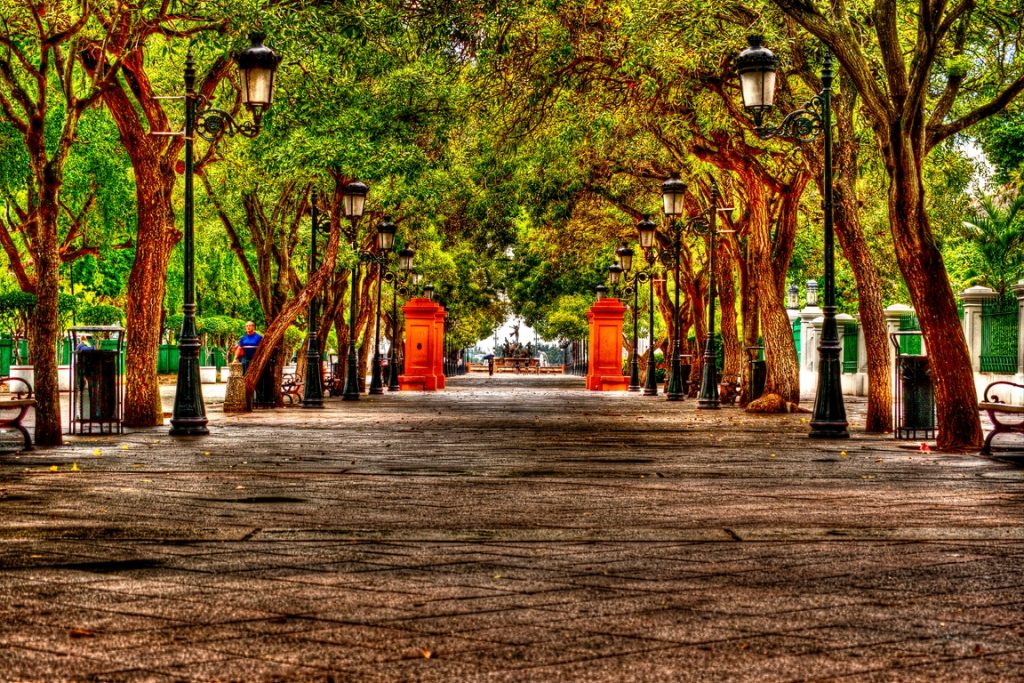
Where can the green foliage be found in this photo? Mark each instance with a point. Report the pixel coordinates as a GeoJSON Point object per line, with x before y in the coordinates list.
{"type": "Point", "coordinates": [100, 314]}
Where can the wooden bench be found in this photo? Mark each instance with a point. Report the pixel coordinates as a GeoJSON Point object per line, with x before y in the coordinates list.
{"type": "Point", "coordinates": [996, 407]}
{"type": "Point", "coordinates": [13, 411]}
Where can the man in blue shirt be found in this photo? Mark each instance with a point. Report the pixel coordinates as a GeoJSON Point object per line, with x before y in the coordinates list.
{"type": "Point", "coordinates": [247, 344]}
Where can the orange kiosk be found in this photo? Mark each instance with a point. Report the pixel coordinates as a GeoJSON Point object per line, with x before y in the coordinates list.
{"type": "Point", "coordinates": [605, 371]}
{"type": "Point", "coordinates": [424, 340]}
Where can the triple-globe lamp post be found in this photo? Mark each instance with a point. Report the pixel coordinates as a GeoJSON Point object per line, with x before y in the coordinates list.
{"type": "Point", "coordinates": [258, 67]}
{"type": "Point", "coordinates": [756, 66]}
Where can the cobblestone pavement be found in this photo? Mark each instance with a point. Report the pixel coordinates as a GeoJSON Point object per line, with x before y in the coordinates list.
{"type": "Point", "coordinates": [509, 529]}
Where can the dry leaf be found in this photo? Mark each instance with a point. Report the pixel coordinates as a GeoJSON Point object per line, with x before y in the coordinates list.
{"type": "Point", "coordinates": [427, 654]}
{"type": "Point", "coordinates": [97, 452]}
{"type": "Point", "coordinates": [81, 633]}
{"type": "Point", "coordinates": [53, 468]}
{"type": "Point", "coordinates": [74, 467]}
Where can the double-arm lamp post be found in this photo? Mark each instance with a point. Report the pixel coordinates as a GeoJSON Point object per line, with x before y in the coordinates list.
{"type": "Point", "coordinates": [398, 286]}
{"type": "Point", "coordinates": [756, 66]}
{"type": "Point", "coordinates": [258, 66]}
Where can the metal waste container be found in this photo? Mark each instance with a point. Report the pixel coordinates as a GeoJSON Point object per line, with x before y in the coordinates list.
{"type": "Point", "coordinates": [914, 393]}
{"type": "Point", "coordinates": [266, 397]}
{"type": "Point", "coordinates": [96, 389]}
{"type": "Point", "coordinates": [758, 372]}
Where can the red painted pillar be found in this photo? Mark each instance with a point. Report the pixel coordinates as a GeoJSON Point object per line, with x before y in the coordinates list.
{"type": "Point", "coordinates": [439, 345]}
{"type": "Point", "coordinates": [605, 370]}
{"type": "Point", "coordinates": [422, 346]}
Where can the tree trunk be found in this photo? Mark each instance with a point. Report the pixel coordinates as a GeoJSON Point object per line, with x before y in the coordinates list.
{"type": "Point", "coordinates": [44, 330]}
{"type": "Point", "coordinates": [146, 286]}
{"type": "Point", "coordinates": [780, 351]}
{"type": "Point", "coordinates": [924, 271]}
{"type": "Point", "coordinates": [726, 289]}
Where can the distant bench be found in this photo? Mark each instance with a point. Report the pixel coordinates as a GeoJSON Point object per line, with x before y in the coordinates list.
{"type": "Point", "coordinates": [996, 407]}
{"type": "Point", "coordinates": [13, 410]}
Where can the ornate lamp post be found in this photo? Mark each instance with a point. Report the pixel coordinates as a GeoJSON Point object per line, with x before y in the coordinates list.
{"type": "Point", "coordinates": [633, 282]}
{"type": "Point", "coordinates": [313, 388]}
{"type": "Point", "coordinates": [709, 382]}
{"type": "Point", "coordinates": [353, 203]}
{"type": "Point", "coordinates": [258, 66]}
{"type": "Point", "coordinates": [397, 281]}
{"type": "Point", "coordinates": [385, 242]}
{"type": "Point", "coordinates": [648, 233]}
{"type": "Point", "coordinates": [673, 191]}
{"type": "Point", "coordinates": [756, 66]}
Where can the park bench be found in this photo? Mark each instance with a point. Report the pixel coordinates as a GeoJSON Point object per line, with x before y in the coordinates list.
{"type": "Point", "coordinates": [291, 388]}
{"type": "Point", "coordinates": [13, 410]}
{"type": "Point", "coordinates": [996, 407]}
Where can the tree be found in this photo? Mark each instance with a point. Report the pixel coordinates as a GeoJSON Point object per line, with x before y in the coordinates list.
{"type": "Point", "coordinates": [898, 73]}
{"type": "Point", "coordinates": [43, 95]}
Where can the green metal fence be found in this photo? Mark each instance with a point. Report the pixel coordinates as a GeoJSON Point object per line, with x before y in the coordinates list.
{"type": "Point", "coordinates": [797, 324]}
{"type": "Point", "coordinates": [999, 325]}
{"type": "Point", "coordinates": [850, 347]}
{"type": "Point", "coordinates": [910, 344]}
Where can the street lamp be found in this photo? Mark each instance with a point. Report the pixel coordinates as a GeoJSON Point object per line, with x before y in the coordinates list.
{"type": "Point", "coordinates": [385, 242]}
{"type": "Point", "coordinates": [258, 66]}
{"type": "Point", "coordinates": [353, 202]}
{"type": "Point", "coordinates": [625, 256]}
{"type": "Point", "coordinates": [793, 297]}
{"type": "Point", "coordinates": [709, 382]}
{"type": "Point", "coordinates": [313, 388]}
{"type": "Point", "coordinates": [397, 281]}
{"type": "Point", "coordinates": [648, 233]}
{"type": "Point", "coordinates": [602, 292]}
{"type": "Point", "coordinates": [756, 66]}
{"type": "Point", "coordinates": [673, 191]}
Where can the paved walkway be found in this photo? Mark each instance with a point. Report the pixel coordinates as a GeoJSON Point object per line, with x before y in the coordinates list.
{"type": "Point", "coordinates": [509, 529]}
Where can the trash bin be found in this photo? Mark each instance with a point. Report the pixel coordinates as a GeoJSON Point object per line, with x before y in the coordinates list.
{"type": "Point", "coordinates": [96, 380]}
{"type": "Point", "coordinates": [758, 372]}
{"type": "Point", "coordinates": [266, 397]}
{"type": "Point", "coordinates": [914, 394]}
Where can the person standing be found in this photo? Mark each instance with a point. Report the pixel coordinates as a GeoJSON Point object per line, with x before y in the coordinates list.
{"type": "Point", "coordinates": [247, 344]}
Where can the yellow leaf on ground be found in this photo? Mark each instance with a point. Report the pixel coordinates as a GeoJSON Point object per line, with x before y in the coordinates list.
{"type": "Point", "coordinates": [74, 467]}
{"type": "Point", "coordinates": [427, 654]}
{"type": "Point", "coordinates": [53, 468]}
{"type": "Point", "coordinates": [97, 452]}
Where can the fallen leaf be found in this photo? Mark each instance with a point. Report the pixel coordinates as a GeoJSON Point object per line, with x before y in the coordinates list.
{"type": "Point", "coordinates": [124, 447]}
{"type": "Point", "coordinates": [497, 576]}
{"type": "Point", "coordinates": [924, 447]}
{"type": "Point", "coordinates": [81, 633]}
{"type": "Point", "coordinates": [206, 454]}
{"type": "Point", "coordinates": [53, 468]}
{"type": "Point", "coordinates": [427, 654]}
{"type": "Point", "coordinates": [239, 488]}
{"type": "Point", "coordinates": [97, 452]}
{"type": "Point", "coordinates": [842, 454]}
{"type": "Point", "coordinates": [773, 455]}
{"type": "Point", "coordinates": [74, 467]}
{"type": "Point", "coordinates": [147, 481]}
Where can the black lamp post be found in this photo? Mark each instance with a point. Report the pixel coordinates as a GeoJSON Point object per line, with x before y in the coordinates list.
{"type": "Point", "coordinates": [385, 242]}
{"type": "Point", "coordinates": [313, 388]}
{"type": "Point", "coordinates": [709, 383]}
{"type": "Point", "coordinates": [648, 233]}
{"type": "Point", "coordinates": [353, 203]}
{"type": "Point", "coordinates": [633, 282]}
{"type": "Point", "coordinates": [397, 281]}
{"type": "Point", "coordinates": [673, 191]}
{"type": "Point", "coordinates": [756, 66]}
{"type": "Point", "coordinates": [258, 66]}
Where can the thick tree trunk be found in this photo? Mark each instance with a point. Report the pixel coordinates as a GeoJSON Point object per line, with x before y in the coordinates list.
{"type": "Point", "coordinates": [924, 271]}
{"type": "Point", "coordinates": [44, 330]}
{"type": "Point", "coordinates": [780, 351]}
{"type": "Point", "coordinates": [146, 284]}
{"type": "Point", "coordinates": [726, 289]}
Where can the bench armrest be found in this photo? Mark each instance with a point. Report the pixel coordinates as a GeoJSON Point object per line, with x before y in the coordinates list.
{"type": "Point", "coordinates": [8, 380]}
{"type": "Point", "coordinates": [993, 398]}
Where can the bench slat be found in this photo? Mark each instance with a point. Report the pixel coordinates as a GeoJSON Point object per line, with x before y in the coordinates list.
{"type": "Point", "coordinates": [17, 403]}
{"type": "Point", "coordinates": [1001, 407]}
